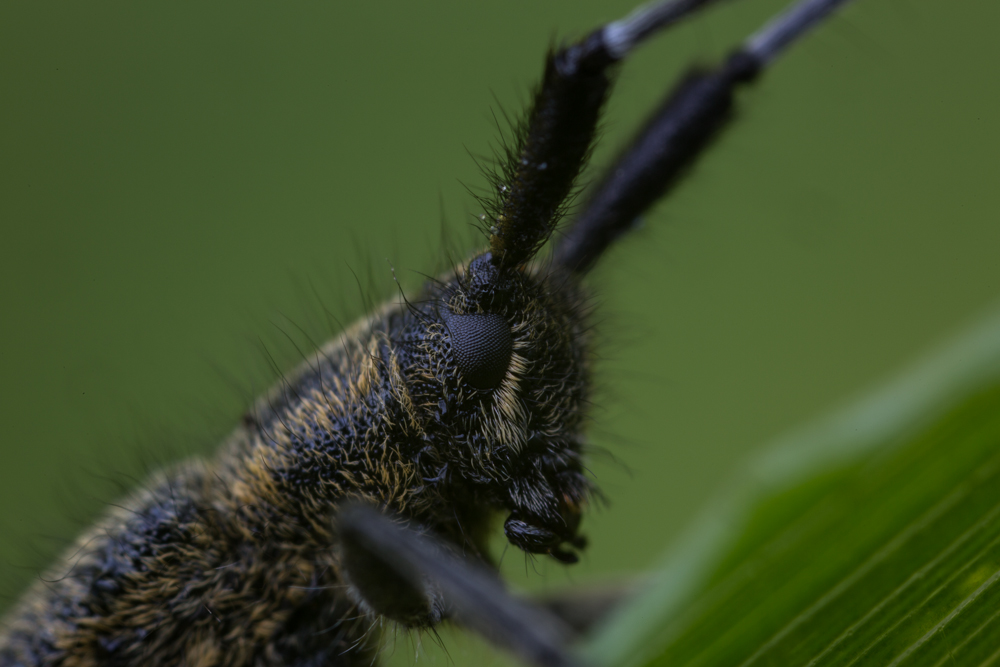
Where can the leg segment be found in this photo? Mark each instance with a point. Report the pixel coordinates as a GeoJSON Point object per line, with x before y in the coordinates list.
{"type": "Point", "coordinates": [412, 578]}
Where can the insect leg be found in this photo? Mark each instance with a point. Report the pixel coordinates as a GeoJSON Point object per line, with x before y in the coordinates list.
{"type": "Point", "coordinates": [465, 591]}
{"type": "Point", "coordinates": [584, 607]}
{"type": "Point", "coordinates": [676, 134]}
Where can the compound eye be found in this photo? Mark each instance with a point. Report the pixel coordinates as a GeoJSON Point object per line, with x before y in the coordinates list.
{"type": "Point", "coordinates": [482, 346]}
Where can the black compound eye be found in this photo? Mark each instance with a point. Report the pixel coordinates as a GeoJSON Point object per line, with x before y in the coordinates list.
{"type": "Point", "coordinates": [482, 345]}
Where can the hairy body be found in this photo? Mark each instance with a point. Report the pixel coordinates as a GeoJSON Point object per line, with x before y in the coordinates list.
{"type": "Point", "coordinates": [235, 561]}
{"type": "Point", "coordinates": [289, 547]}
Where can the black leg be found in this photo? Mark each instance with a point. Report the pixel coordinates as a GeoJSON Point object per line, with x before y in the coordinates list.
{"type": "Point", "coordinates": [674, 137]}
{"type": "Point", "coordinates": [401, 573]}
{"type": "Point", "coordinates": [585, 607]}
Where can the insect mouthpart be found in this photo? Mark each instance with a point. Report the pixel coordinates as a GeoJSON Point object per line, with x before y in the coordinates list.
{"type": "Point", "coordinates": [547, 535]}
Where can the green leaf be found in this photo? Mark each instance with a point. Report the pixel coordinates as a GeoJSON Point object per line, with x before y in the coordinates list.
{"type": "Point", "coordinates": [871, 538]}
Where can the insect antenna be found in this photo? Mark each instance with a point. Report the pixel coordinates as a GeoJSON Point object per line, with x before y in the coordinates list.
{"type": "Point", "coordinates": [677, 133]}
{"type": "Point", "coordinates": [538, 170]}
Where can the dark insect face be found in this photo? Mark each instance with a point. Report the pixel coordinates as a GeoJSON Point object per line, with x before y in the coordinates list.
{"type": "Point", "coordinates": [498, 371]}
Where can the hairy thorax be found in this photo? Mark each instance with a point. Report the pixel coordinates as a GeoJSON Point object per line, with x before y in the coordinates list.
{"type": "Point", "coordinates": [236, 561]}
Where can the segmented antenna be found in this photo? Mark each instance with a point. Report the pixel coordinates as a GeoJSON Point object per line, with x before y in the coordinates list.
{"type": "Point", "coordinates": [622, 36]}
{"type": "Point", "coordinates": [678, 132]}
{"type": "Point", "coordinates": [538, 172]}
{"type": "Point", "coordinates": [768, 42]}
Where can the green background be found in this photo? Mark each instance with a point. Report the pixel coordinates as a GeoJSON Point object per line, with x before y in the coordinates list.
{"type": "Point", "coordinates": [182, 183]}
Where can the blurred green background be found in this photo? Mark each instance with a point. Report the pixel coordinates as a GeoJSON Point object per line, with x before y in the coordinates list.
{"type": "Point", "coordinates": [182, 183]}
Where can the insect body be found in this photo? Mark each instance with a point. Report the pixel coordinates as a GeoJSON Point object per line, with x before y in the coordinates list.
{"type": "Point", "coordinates": [465, 402]}
{"type": "Point", "coordinates": [443, 418]}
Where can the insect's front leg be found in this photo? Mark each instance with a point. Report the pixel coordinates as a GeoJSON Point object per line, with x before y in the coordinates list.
{"type": "Point", "coordinates": [380, 584]}
{"type": "Point", "coordinates": [400, 571]}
